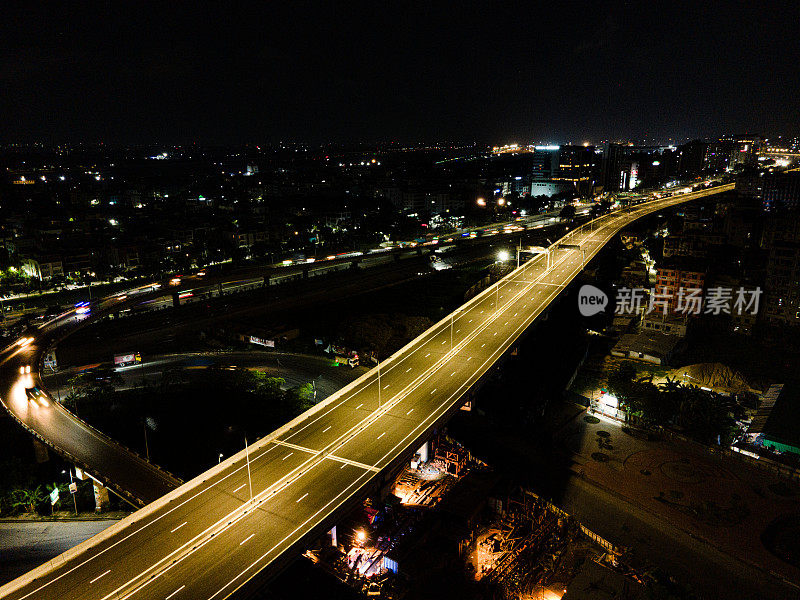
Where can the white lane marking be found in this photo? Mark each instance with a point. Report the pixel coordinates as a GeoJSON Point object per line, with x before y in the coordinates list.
{"type": "Point", "coordinates": [469, 358]}
{"type": "Point", "coordinates": [301, 497]}
{"type": "Point", "coordinates": [343, 466]}
{"type": "Point", "coordinates": [359, 406]}
{"type": "Point", "coordinates": [483, 344]}
{"type": "Point", "coordinates": [427, 355]}
{"type": "Point", "coordinates": [184, 523]}
{"type": "Point", "coordinates": [100, 576]}
{"type": "Point", "coordinates": [347, 489]}
{"type": "Point", "coordinates": [247, 539]}
{"type": "Point", "coordinates": [457, 330]}
{"type": "Point", "coordinates": [386, 386]}
{"type": "Point", "coordinates": [470, 321]}
{"type": "Point", "coordinates": [294, 446]}
{"type": "Point", "coordinates": [287, 456]}
{"type": "Point", "coordinates": [381, 435]}
{"type": "Point", "coordinates": [239, 488]}
{"type": "Point", "coordinates": [264, 453]}
{"type": "Point", "coordinates": [410, 411]}
{"type": "Point", "coordinates": [433, 391]}
{"type": "Point", "coordinates": [495, 333]}
{"type": "Point", "coordinates": [408, 369]}
{"type": "Point", "coordinates": [352, 463]}
{"type": "Point", "coordinates": [175, 592]}
{"type": "Point", "coordinates": [444, 342]}
{"type": "Point", "coordinates": [326, 429]}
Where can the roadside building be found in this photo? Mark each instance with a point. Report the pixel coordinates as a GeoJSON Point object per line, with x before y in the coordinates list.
{"type": "Point", "coordinates": [648, 346]}
{"type": "Point", "coordinates": [674, 275]}
{"type": "Point", "coordinates": [776, 425]}
{"type": "Point", "coordinates": [782, 285]}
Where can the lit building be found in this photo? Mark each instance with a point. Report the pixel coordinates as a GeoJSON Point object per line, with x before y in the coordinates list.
{"type": "Point", "coordinates": [781, 304]}
{"type": "Point", "coordinates": [625, 166]}
{"type": "Point", "coordinates": [673, 276]}
{"type": "Point", "coordinates": [781, 191]}
{"type": "Point", "coordinates": [544, 172]}
{"type": "Point", "coordinates": [730, 153]}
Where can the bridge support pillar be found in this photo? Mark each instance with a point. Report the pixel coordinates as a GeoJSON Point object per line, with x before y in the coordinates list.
{"type": "Point", "coordinates": [266, 280]}
{"type": "Point", "coordinates": [305, 272]}
{"type": "Point", "coordinates": [40, 451]}
{"type": "Point", "coordinates": [332, 536]}
{"type": "Point", "coordinates": [175, 300]}
{"type": "Point", "coordinates": [219, 289]}
{"type": "Point", "coordinates": [424, 452]}
{"type": "Point", "coordinates": [101, 499]}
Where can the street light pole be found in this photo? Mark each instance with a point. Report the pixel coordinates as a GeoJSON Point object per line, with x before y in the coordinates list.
{"type": "Point", "coordinates": [74, 499]}
{"type": "Point", "coordinates": [452, 318]}
{"type": "Point", "coordinates": [247, 458]}
{"type": "Point", "coordinates": [146, 447]}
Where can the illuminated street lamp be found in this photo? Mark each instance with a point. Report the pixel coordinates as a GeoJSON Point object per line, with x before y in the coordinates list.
{"type": "Point", "coordinates": [501, 201]}
{"type": "Point", "coordinates": [481, 202]}
{"type": "Point", "coordinates": [503, 256]}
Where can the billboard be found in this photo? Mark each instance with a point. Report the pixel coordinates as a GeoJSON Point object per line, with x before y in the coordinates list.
{"type": "Point", "coordinates": [262, 342]}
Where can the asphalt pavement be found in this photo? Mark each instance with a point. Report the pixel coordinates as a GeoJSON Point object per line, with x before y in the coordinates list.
{"type": "Point", "coordinates": [206, 539]}
{"type": "Point", "coordinates": [26, 544]}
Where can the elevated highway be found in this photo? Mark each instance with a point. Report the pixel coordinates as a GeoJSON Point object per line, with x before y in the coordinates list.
{"type": "Point", "coordinates": [240, 522]}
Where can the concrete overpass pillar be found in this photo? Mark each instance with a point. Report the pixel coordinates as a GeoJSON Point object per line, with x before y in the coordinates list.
{"type": "Point", "coordinates": [424, 452]}
{"type": "Point", "coordinates": [266, 280]}
{"type": "Point", "coordinates": [101, 499]}
{"type": "Point", "coordinates": [40, 451]}
{"type": "Point", "coordinates": [175, 300]}
{"type": "Point", "coordinates": [332, 535]}
{"type": "Point", "coordinates": [219, 289]}
{"type": "Point", "coordinates": [305, 272]}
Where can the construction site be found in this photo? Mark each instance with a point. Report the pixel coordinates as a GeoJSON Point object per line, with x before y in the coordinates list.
{"type": "Point", "coordinates": [451, 523]}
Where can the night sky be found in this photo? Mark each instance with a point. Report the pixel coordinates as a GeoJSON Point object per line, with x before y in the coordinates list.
{"type": "Point", "coordinates": [345, 71]}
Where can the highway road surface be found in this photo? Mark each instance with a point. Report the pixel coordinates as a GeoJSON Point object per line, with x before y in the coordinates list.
{"type": "Point", "coordinates": [131, 476]}
{"type": "Point", "coordinates": [206, 539]}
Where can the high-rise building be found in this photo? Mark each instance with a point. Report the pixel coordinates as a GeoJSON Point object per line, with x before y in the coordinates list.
{"type": "Point", "coordinates": [545, 170]}
{"type": "Point", "coordinates": [691, 157]}
{"type": "Point", "coordinates": [745, 151]}
{"type": "Point", "coordinates": [731, 153]}
{"type": "Point", "coordinates": [625, 166]}
{"type": "Point", "coordinates": [675, 274]}
{"type": "Point", "coordinates": [577, 165]}
{"type": "Point", "coordinates": [781, 191]}
{"type": "Point", "coordinates": [782, 285]}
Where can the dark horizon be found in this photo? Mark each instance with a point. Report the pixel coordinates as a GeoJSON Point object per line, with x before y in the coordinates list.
{"type": "Point", "coordinates": [318, 73]}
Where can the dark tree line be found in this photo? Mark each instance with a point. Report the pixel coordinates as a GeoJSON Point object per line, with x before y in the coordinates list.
{"type": "Point", "coordinates": [703, 415]}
